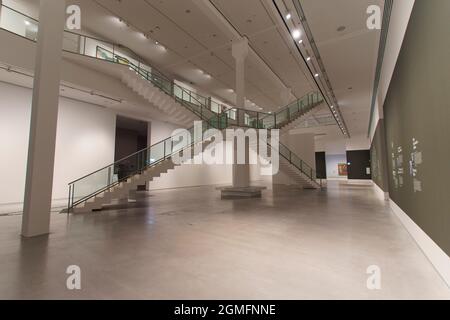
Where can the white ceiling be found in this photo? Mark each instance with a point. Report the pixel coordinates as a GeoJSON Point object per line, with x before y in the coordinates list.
{"type": "Point", "coordinates": [349, 56]}
{"type": "Point", "coordinates": [189, 42]}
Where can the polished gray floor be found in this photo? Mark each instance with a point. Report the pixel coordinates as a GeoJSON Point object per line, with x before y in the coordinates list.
{"type": "Point", "coordinates": [189, 244]}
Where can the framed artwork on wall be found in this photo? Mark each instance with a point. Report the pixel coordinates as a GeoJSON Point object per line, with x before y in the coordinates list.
{"type": "Point", "coordinates": [342, 169]}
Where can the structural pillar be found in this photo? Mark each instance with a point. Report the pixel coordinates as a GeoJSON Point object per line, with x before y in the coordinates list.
{"type": "Point", "coordinates": [149, 144]}
{"type": "Point", "coordinates": [241, 172]}
{"type": "Point", "coordinates": [44, 117]}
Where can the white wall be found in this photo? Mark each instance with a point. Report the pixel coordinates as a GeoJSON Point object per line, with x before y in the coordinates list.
{"type": "Point", "coordinates": [161, 130]}
{"type": "Point", "coordinates": [335, 144]}
{"type": "Point", "coordinates": [339, 144]}
{"type": "Point", "coordinates": [301, 144]}
{"type": "Point", "coordinates": [358, 142]}
{"type": "Point", "coordinates": [189, 175]}
{"type": "Point", "coordinates": [85, 142]}
{"type": "Point", "coordinates": [332, 161]}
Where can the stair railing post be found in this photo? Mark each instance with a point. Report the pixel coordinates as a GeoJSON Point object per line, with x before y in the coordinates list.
{"type": "Point", "coordinates": [137, 163]}
{"type": "Point", "coordinates": [68, 202]}
{"type": "Point", "coordinates": [164, 150]}
{"type": "Point", "coordinates": [257, 120]}
{"type": "Point", "coordinates": [73, 195]}
{"type": "Point", "coordinates": [109, 176]}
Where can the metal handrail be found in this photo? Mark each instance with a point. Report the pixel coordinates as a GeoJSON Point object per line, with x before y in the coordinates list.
{"type": "Point", "coordinates": [165, 156]}
{"type": "Point", "coordinates": [136, 153]}
{"type": "Point", "coordinates": [145, 149]}
{"type": "Point", "coordinates": [116, 45]}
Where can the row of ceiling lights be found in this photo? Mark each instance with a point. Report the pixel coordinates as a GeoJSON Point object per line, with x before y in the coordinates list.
{"type": "Point", "coordinates": [143, 35]}
{"type": "Point", "coordinates": [296, 34]}
{"type": "Point", "coordinates": [207, 75]}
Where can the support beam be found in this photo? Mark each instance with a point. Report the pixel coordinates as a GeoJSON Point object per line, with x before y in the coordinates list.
{"type": "Point", "coordinates": [44, 117]}
{"type": "Point", "coordinates": [241, 172]}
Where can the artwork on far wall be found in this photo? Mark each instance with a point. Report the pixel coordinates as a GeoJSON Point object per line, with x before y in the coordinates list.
{"type": "Point", "coordinates": [342, 169]}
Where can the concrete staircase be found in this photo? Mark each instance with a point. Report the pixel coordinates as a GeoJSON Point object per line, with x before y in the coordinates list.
{"type": "Point", "coordinates": [180, 111]}
{"type": "Point", "coordinates": [301, 179]}
{"type": "Point", "coordinates": [185, 112]}
{"type": "Point", "coordinates": [291, 170]}
{"type": "Point", "coordinates": [293, 123]}
{"type": "Point", "coordinates": [122, 189]}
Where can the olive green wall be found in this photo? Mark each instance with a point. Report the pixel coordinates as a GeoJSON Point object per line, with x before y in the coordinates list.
{"type": "Point", "coordinates": [379, 158]}
{"type": "Point", "coordinates": [417, 120]}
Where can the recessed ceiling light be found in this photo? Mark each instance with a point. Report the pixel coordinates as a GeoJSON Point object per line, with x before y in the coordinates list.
{"type": "Point", "coordinates": [341, 28]}
{"type": "Point", "coordinates": [288, 16]}
{"type": "Point", "coordinates": [296, 34]}
{"type": "Point", "coordinates": [316, 75]}
{"type": "Point", "coordinates": [156, 42]}
{"type": "Point", "coordinates": [308, 59]}
{"type": "Point", "coordinates": [27, 23]}
{"type": "Point", "coordinates": [301, 41]}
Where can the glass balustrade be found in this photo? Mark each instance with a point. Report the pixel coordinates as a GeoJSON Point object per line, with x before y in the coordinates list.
{"type": "Point", "coordinates": [25, 26]}
{"type": "Point", "coordinates": [110, 176]}
{"type": "Point", "coordinates": [213, 114]}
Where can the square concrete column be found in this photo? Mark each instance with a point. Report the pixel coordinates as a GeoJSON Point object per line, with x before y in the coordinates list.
{"type": "Point", "coordinates": [149, 144]}
{"type": "Point", "coordinates": [44, 116]}
{"type": "Point", "coordinates": [241, 172]}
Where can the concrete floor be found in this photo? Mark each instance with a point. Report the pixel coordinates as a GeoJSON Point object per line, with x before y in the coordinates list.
{"type": "Point", "coordinates": [189, 244]}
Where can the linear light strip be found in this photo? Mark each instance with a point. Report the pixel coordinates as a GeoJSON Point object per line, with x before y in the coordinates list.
{"type": "Point", "coordinates": [322, 70]}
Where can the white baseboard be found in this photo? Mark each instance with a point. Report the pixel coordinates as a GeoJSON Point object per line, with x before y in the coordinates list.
{"type": "Point", "coordinates": [364, 182]}
{"type": "Point", "coordinates": [380, 193]}
{"type": "Point", "coordinates": [438, 258]}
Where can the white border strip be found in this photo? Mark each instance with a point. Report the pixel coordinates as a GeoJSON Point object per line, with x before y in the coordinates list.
{"type": "Point", "coordinates": [380, 193]}
{"type": "Point", "coordinates": [438, 258]}
{"type": "Point", "coordinates": [366, 182]}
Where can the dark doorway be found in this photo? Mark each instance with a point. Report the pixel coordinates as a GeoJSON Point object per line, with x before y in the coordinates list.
{"type": "Point", "coordinates": [359, 164]}
{"type": "Point", "coordinates": [321, 165]}
{"type": "Point", "coordinates": [131, 137]}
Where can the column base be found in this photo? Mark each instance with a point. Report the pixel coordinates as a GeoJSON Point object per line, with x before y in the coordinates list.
{"type": "Point", "coordinates": [241, 192]}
